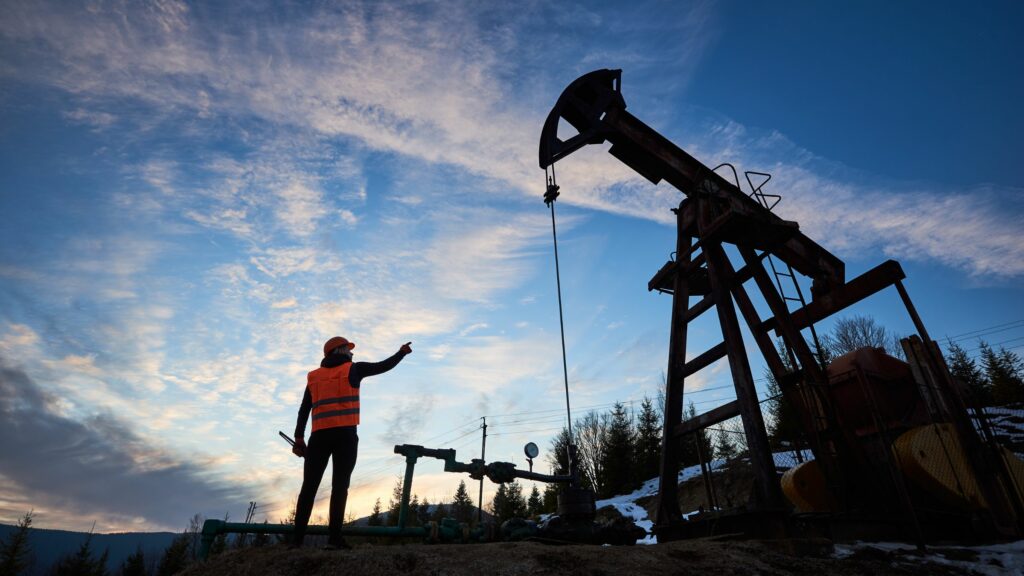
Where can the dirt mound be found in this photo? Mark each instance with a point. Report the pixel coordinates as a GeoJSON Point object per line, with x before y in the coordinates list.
{"type": "Point", "coordinates": [703, 556]}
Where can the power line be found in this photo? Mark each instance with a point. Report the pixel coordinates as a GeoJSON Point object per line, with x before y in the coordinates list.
{"type": "Point", "coordinates": [460, 437]}
{"type": "Point", "coordinates": [527, 419]}
{"type": "Point", "coordinates": [998, 344]}
{"type": "Point", "coordinates": [989, 333]}
{"type": "Point", "coordinates": [712, 389]}
{"type": "Point", "coordinates": [527, 431]}
{"type": "Point", "coordinates": [530, 422]}
{"type": "Point", "coordinates": [459, 427]}
{"type": "Point", "coordinates": [559, 409]}
{"type": "Point", "coordinates": [1001, 327]}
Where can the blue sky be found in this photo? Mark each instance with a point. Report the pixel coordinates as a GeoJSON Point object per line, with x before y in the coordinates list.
{"type": "Point", "coordinates": [194, 198]}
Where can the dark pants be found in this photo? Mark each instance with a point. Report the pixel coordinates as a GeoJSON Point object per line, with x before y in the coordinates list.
{"type": "Point", "coordinates": [341, 443]}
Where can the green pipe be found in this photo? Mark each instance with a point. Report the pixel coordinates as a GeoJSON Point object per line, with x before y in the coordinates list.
{"type": "Point", "coordinates": [212, 528]}
{"type": "Point", "coordinates": [447, 530]}
{"type": "Point", "coordinates": [403, 508]}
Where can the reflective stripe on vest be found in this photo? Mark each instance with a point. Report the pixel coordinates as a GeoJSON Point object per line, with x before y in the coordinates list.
{"type": "Point", "coordinates": [335, 401]}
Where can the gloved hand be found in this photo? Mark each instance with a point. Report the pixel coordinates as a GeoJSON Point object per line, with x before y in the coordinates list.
{"type": "Point", "coordinates": [299, 449]}
{"type": "Point", "coordinates": [405, 349]}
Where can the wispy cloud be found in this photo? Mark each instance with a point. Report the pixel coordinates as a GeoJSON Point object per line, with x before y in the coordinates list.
{"type": "Point", "coordinates": [973, 229]}
{"type": "Point", "coordinates": [278, 262]}
{"type": "Point", "coordinates": [95, 118]}
{"type": "Point", "coordinates": [117, 476]}
{"type": "Point", "coordinates": [406, 418]}
{"type": "Point", "coordinates": [478, 254]}
{"type": "Point", "coordinates": [492, 364]}
{"type": "Point", "coordinates": [445, 99]}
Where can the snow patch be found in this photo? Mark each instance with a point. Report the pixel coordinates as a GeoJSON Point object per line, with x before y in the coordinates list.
{"type": "Point", "coordinates": [626, 504]}
{"type": "Point", "coordinates": [992, 559]}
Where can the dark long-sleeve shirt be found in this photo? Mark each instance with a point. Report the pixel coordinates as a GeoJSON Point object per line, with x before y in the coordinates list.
{"type": "Point", "coordinates": [356, 374]}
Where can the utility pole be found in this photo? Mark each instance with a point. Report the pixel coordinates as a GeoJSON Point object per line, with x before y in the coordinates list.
{"type": "Point", "coordinates": [483, 448]}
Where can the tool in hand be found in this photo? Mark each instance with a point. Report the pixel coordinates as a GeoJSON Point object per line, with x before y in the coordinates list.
{"type": "Point", "coordinates": [286, 438]}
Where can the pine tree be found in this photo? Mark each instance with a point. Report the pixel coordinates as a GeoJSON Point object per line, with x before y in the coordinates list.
{"type": "Point", "coordinates": [176, 556]}
{"type": "Point", "coordinates": [423, 515]}
{"type": "Point", "coordinates": [688, 445]}
{"type": "Point", "coordinates": [462, 504]}
{"type": "Point", "coordinates": [395, 504]}
{"type": "Point", "coordinates": [516, 501]}
{"type": "Point", "coordinates": [440, 512]}
{"type": "Point", "coordinates": [100, 568]}
{"type": "Point", "coordinates": [965, 370]}
{"type": "Point", "coordinates": [783, 421]}
{"type": "Point", "coordinates": [15, 552]}
{"type": "Point", "coordinates": [1004, 372]}
{"type": "Point", "coordinates": [617, 456]}
{"type": "Point", "coordinates": [648, 442]}
{"type": "Point", "coordinates": [375, 517]}
{"type": "Point", "coordinates": [534, 504]}
{"type": "Point", "coordinates": [725, 449]}
{"type": "Point", "coordinates": [508, 502]}
{"type": "Point", "coordinates": [550, 498]}
{"type": "Point", "coordinates": [413, 517]}
{"type": "Point", "coordinates": [558, 456]}
{"type": "Point", "coordinates": [134, 565]}
{"type": "Point", "coordinates": [499, 504]}
{"type": "Point", "coordinates": [82, 562]}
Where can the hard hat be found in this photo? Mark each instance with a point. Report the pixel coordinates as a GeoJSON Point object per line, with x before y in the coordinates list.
{"type": "Point", "coordinates": [337, 342]}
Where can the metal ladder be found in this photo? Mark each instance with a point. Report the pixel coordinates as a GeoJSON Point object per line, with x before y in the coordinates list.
{"type": "Point", "coordinates": [768, 202]}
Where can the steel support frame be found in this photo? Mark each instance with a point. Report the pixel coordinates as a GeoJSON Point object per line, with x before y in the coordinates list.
{"type": "Point", "coordinates": [668, 487]}
{"type": "Point", "coordinates": [767, 493]}
{"type": "Point", "coordinates": [723, 280]}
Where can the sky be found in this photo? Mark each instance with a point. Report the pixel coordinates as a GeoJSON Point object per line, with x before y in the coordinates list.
{"type": "Point", "coordinates": [194, 197]}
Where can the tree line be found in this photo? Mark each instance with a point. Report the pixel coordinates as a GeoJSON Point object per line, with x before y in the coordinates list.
{"type": "Point", "coordinates": [422, 511]}
{"type": "Point", "coordinates": [507, 502]}
{"type": "Point", "coordinates": [618, 450]}
{"type": "Point", "coordinates": [992, 377]}
{"type": "Point", "coordinates": [17, 558]}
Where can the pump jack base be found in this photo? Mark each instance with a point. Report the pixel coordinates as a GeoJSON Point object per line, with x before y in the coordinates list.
{"type": "Point", "coordinates": [760, 524]}
{"type": "Point", "coordinates": [778, 524]}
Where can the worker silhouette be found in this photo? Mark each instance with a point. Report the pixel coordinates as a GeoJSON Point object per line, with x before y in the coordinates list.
{"type": "Point", "coordinates": [332, 393]}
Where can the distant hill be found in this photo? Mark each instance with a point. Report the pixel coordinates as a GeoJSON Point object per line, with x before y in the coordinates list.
{"type": "Point", "coordinates": [49, 545]}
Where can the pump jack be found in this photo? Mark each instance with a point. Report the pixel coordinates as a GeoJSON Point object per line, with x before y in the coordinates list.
{"type": "Point", "coordinates": [715, 213]}
{"type": "Point", "coordinates": [864, 415]}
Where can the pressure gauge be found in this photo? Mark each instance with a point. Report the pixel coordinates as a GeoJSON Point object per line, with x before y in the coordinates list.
{"type": "Point", "coordinates": [531, 450]}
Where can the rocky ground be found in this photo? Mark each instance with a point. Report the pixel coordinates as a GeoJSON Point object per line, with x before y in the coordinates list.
{"type": "Point", "coordinates": [709, 556]}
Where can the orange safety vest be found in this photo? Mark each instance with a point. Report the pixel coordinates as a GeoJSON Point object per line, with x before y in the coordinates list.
{"type": "Point", "coordinates": [335, 401]}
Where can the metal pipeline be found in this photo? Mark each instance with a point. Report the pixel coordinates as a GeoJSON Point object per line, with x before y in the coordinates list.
{"type": "Point", "coordinates": [448, 530]}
